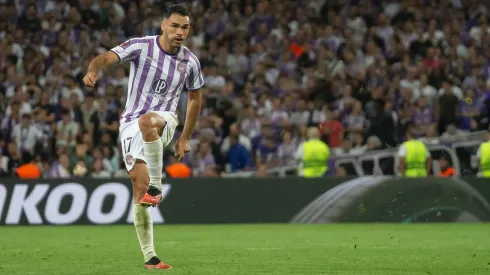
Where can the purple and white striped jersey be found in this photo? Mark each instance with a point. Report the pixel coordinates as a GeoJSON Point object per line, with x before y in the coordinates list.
{"type": "Point", "coordinates": [156, 78]}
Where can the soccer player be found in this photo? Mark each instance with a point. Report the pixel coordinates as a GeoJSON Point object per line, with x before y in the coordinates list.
{"type": "Point", "coordinates": [160, 67]}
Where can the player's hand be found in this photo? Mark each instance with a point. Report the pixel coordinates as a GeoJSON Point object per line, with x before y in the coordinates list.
{"type": "Point", "coordinates": [182, 146]}
{"type": "Point", "coordinates": [90, 79]}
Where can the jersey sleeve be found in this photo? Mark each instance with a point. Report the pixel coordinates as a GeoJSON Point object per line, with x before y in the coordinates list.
{"type": "Point", "coordinates": [427, 152]}
{"type": "Point", "coordinates": [402, 151]}
{"type": "Point", "coordinates": [195, 80]}
{"type": "Point", "coordinates": [127, 50]}
{"type": "Point", "coordinates": [478, 153]}
{"type": "Point", "coordinates": [299, 152]}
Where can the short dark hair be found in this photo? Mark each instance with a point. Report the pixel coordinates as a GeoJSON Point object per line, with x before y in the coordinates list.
{"type": "Point", "coordinates": [32, 6]}
{"type": "Point", "coordinates": [178, 9]}
{"type": "Point", "coordinates": [65, 112]}
{"type": "Point", "coordinates": [27, 157]}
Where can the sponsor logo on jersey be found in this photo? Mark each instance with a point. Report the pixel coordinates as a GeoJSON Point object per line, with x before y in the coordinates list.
{"type": "Point", "coordinates": [182, 66]}
{"type": "Point", "coordinates": [159, 87]}
{"type": "Point", "coordinates": [129, 159]}
{"type": "Point", "coordinates": [124, 45]}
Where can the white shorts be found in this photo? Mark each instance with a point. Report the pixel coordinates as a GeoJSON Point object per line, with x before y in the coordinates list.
{"type": "Point", "coordinates": [132, 139]}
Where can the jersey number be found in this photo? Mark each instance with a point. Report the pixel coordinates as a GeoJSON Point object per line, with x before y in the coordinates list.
{"type": "Point", "coordinates": [127, 145]}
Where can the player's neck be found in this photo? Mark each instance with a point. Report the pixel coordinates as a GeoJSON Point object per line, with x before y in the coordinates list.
{"type": "Point", "coordinates": [166, 46]}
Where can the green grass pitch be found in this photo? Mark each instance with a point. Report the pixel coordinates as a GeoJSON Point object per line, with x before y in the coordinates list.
{"type": "Point", "coordinates": [376, 249]}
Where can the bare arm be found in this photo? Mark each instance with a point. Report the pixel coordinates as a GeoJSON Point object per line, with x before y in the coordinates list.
{"type": "Point", "coordinates": [429, 165]}
{"type": "Point", "coordinates": [98, 63]}
{"type": "Point", "coordinates": [273, 163]}
{"type": "Point", "coordinates": [193, 109]}
{"type": "Point", "coordinates": [102, 60]}
{"type": "Point", "coordinates": [258, 160]}
{"type": "Point", "coordinates": [401, 166]}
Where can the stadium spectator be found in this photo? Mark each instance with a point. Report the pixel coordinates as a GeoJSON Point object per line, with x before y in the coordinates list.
{"type": "Point", "coordinates": [373, 143]}
{"type": "Point", "coordinates": [446, 168]}
{"type": "Point", "coordinates": [26, 134]}
{"type": "Point", "coordinates": [432, 137]}
{"type": "Point", "coordinates": [331, 129]}
{"type": "Point", "coordinates": [287, 149]}
{"type": "Point", "coordinates": [15, 158]}
{"type": "Point", "coordinates": [423, 116]}
{"type": "Point", "coordinates": [448, 106]}
{"type": "Point", "coordinates": [67, 130]}
{"type": "Point", "coordinates": [340, 172]}
{"type": "Point", "coordinates": [4, 164]}
{"type": "Point", "coordinates": [99, 171]}
{"type": "Point", "coordinates": [238, 157]}
{"type": "Point", "coordinates": [344, 149]}
{"type": "Point", "coordinates": [250, 125]}
{"type": "Point", "coordinates": [242, 139]}
{"type": "Point", "coordinates": [60, 168]}
{"type": "Point", "coordinates": [377, 66]}
{"type": "Point", "coordinates": [29, 169]}
{"type": "Point", "coordinates": [453, 131]}
{"type": "Point", "coordinates": [204, 162]}
{"type": "Point", "coordinates": [267, 153]}
{"type": "Point", "coordinates": [355, 122]}
{"type": "Point", "coordinates": [358, 146]}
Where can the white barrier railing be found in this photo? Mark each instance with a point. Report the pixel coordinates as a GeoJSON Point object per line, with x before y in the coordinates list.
{"type": "Point", "coordinates": [462, 141]}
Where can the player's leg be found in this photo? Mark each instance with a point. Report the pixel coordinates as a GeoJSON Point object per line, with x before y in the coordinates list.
{"type": "Point", "coordinates": [151, 126]}
{"type": "Point", "coordinates": [142, 218]}
{"type": "Point", "coordinates": [141, 215]}
{"type": "Point", "coordinates": [132, 149]}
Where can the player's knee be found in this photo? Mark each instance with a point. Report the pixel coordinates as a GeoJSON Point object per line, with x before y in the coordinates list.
{"type": "Point", "coordinates": [151, 125]}
{"type": "Point", "coordinates": [146, 122]}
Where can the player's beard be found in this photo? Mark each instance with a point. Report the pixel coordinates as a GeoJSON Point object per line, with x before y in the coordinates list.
{"type": "Point", "coordinates": [172, 42]}
{"type": "Point", "coordinates": [176, 42]}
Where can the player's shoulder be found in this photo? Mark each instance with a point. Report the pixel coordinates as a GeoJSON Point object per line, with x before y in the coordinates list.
{"type": "Point", "coordinates": [146, 38]}
{"type": "Point", "coordinates": [140, 40]}
{"type": "Point", "coordinates": [191, 56]}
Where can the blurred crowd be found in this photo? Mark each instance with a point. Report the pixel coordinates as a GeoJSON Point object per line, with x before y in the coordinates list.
{"type": "Point", "coordinates": [360, 70]}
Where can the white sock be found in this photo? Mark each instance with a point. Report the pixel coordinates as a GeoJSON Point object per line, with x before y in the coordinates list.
{"type": "Point", "coordinates": [144, 230]}
{"type": "Point", "coordinates": [153, 151]}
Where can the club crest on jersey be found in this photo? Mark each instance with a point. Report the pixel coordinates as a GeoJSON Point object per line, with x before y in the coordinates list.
{"type": "Point", "coordinates": [159, 87]}
{"type": "Point", "coordinates": [182, 66]}
{"type": "Point", "coordinates": [129, 159]}
{"type": "Point", "coordinates": [124, 45]}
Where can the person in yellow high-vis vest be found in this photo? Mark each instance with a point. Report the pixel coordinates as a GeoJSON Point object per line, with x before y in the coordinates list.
{"type": "Point", "coordinates": [483, 156]}
{"type": "Point", "coordinates": [313, 155]}
{"type": "Point", "coordinates": [414, 158]}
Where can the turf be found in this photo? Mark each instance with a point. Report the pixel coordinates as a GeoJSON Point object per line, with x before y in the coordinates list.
{"type": "Point", "coordinates": [251, 249]}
